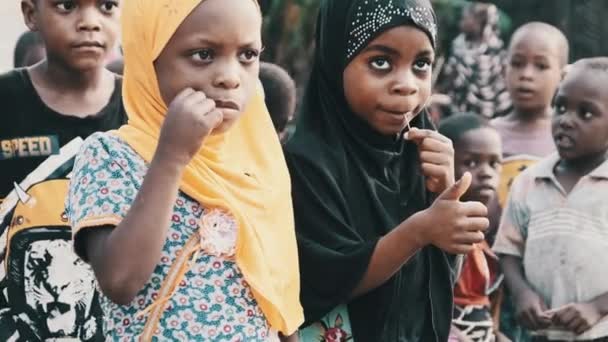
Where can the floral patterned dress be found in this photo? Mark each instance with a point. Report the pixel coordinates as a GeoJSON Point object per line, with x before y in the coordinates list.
{"type": "Point", "coordinates": [196, 292]}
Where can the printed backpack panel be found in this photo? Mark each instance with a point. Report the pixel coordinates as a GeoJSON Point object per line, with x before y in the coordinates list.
{"type": "Point", "coordinates": [47, 292]}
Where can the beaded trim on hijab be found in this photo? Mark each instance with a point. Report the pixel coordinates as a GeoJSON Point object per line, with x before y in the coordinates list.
{"type": "Point", "coordinates": [371, 18]}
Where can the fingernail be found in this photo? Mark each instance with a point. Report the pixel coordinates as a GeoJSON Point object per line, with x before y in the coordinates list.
{"type": "Point", "coordinates": [406, 135]}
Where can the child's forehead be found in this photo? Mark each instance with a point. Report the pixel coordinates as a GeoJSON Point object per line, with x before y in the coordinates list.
{"type": "Point", "coordinates": [539, 43]}
{"type": "Point", "coordinates": [403, 35]}
{"type": "Point", "coordinates": [477, 139]}
{"type": "Point", "coordinates": [483, 133]}
{"type": "Point", "coordinates": [533, 44]}
{"type": "Point", "coordinates": [583, 82]}
{"type": "Point", "coordinates": [483, 140]}
{"type": "Point", "coordinates": [222, 21]}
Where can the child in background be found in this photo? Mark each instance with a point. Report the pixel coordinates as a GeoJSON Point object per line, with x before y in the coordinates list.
{"type": "Point", "coordinates": [553, 237]}
{"type": "Point", "coordinates": [375, 245]}
{"type": "Point", "coordinates": [195, 180]}
{"type": "Point", "coordinates": [473, 76]}
{"type": "Point", "coordinates": [478, 150]}
{"type": "Point", "coordinates": [279, 95]}
{"type": "Point", "coordinates": [65, 98]}
{"type": "Point", "coordinates": [537, 54]}
{"type": "Point", "coordinates": [70, 94]}
{"type": "Point", "coordinates": [29, 50]}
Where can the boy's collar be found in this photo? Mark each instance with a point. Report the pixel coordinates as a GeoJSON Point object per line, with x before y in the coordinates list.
{"type": "Point", "coordinates": [545, 168]}
{"type": "Point", "coordinates": [600, 171]}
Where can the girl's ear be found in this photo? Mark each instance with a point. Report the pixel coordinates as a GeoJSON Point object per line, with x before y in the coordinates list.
{"type": "Point", "coordinates": [28, 9]}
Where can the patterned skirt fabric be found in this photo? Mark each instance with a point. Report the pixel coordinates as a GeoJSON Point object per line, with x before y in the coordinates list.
{"type": "Point", "coordinates": [475, 322]}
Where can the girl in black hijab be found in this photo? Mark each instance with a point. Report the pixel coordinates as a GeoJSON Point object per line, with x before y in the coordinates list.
{"type": "Point", "coordinates": [371, 235]}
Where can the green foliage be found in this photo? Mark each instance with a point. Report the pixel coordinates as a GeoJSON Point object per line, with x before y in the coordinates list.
{"type": "Point", "coordinates": [289, 35]}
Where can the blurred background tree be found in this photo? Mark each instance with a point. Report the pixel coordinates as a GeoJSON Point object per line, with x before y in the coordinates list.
{"type": "Point", "coordinates": [289, 29]}
{"type": "Point", "coordinates": [583, 21]}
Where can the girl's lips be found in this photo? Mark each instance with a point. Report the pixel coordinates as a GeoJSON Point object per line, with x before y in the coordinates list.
{"type": "Point", "coordinates": [397, 120]}
{"type": "Point", "coordinates": [403, 119]}
{"type": "Point", "coordinates": [226, 104]}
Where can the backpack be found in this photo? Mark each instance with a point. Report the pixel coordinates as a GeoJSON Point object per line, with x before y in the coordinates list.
{"type": "Point", "coordinates": [47, 291]}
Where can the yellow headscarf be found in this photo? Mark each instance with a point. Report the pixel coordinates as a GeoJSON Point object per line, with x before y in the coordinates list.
{"type": "Point", "coordinates": [242, 171]}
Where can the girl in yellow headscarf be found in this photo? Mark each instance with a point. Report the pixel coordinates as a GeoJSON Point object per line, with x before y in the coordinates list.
{"type": "Point", "coordinates": [185, 213]}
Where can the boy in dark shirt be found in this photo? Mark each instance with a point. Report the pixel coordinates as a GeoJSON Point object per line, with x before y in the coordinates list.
{"type": "Point", "coordinates": [68, 95]}
{"type": "Point", "coordinates": [48, 292]}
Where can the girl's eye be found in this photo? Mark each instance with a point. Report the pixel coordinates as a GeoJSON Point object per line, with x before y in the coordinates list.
{"type": "Point", "coordinates": [495, 164]}
{"type": "Point", "coordinates": [381, 64]}
{"type": "Point", "coordinates": [249, 56]}
{"type": "Point", "coordinates": [422, 65]}
{"type": "Point", "coordinates": [109, 6]}
{"type": "Point", "coordinates": [205, 55]}
{"type": "Point", "coordinates": [65, 6]}
{"type": "Point", "coordinates": [560, 109]}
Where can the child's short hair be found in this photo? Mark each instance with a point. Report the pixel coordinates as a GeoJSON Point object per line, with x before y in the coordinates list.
{"type": "Point", "coordinates": [599, 64]}
{"type": "Point", "coordinates": [26, 41]}
{"type": "Point", "coordinates": [456, 125]}
{"type": "Point", "coordinates": [280, 94]}
{"type": "Point", "coordinates": [551, 32]}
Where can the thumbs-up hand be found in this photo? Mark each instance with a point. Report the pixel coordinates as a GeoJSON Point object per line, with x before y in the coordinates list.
{"type": "Point", "coordinates": [458, 189]}
{"type": "Point", "coordinates": [452, 225]}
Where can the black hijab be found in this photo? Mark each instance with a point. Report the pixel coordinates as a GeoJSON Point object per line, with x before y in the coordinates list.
{"type": "Point", "coordinates": [352, 185]}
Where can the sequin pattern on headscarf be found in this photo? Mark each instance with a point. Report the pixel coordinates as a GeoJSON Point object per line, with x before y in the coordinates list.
{"type": "Point", "coordinates": [374, 16]}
